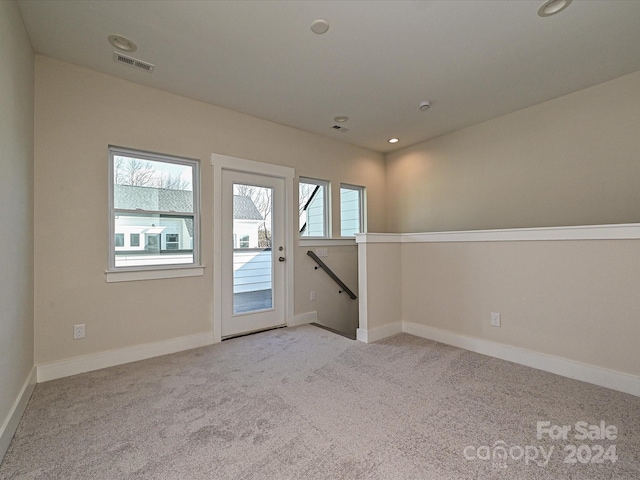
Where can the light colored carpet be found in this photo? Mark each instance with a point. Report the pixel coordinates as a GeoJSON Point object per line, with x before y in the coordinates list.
{"type": "Point", "coordinates": [304, 403]}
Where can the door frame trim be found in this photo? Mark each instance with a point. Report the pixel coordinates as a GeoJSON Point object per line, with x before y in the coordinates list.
{"type": "Point", "coordinates": [225, 162]}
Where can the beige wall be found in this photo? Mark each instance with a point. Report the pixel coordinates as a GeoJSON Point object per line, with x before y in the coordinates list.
{"type": "Point", "coordinates": [572, 299]}
{"type": "Point", "coordinates": [380, 277]}
{"type": "Point", "coordinates": [16, 207]}
{"type": "Point", "coordinates": [569, 161]}
{"type": "Point", "coordinates": [80, 112]}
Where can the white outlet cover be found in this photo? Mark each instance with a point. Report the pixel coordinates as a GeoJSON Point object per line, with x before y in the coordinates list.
{"type": "Point", "coordinates": [495, 319]}
{"type": "Point", "coordinates": [78, 331]}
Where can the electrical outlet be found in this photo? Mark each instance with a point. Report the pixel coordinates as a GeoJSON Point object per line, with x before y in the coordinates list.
{"type": "Point", "coordinates": [78, 331]}
{"type": "Point", "coordinates": [495, 319]}
{"type": "Point", "coordinates": [312, 296]}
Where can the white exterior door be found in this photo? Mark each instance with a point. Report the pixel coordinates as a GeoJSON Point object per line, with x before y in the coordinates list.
{"type": "Point", "coordinates": [253, 253]}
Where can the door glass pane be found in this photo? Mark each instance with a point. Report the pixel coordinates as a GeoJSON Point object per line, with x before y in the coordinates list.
{"type": "Point", "coordinates": [252, 253]}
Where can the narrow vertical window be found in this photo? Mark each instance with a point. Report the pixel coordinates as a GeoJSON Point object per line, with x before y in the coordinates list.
{"type": "Point", "coordinates": [313, 208]}
{"type": "Point", "coordinates": [153, 204]}
{"type": "Point", "coordinates": [351, 210]}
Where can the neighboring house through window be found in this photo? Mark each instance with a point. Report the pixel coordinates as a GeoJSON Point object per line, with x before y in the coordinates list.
{"type": "Point", "coordinates": [246, 222]}
{"type": "Point", "coordinates": [154, 204]}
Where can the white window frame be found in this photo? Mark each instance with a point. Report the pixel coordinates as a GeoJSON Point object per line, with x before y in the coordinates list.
{"type": "Point", "coordinates": [326, 207]}
{"type": "Point", "coordinates": [361, 207]}
{"type": "Point", "coordinates": [149, 272]}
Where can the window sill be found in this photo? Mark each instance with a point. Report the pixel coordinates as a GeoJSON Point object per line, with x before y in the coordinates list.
{"type": "Point", "coordinates": [154, 274]}
{"type": "Point", "coordinates": [327, 242]}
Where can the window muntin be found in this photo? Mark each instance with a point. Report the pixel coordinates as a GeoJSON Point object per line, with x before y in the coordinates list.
{"type": "Point", "coordinates": [154, 204]}
{"type": "Point", "coordinates": [313, 208]}
{"type": "Point", "coordinates": [351, 210]}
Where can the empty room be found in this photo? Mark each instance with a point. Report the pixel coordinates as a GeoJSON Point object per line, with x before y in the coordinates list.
{"type": "Point", "coordinates": [282, 239]}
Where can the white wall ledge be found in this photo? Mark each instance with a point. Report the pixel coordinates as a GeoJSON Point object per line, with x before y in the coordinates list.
{"type": "Point", "coordinates": [327, 242]}
{"type": "Point", "coordinates": [627, 231]}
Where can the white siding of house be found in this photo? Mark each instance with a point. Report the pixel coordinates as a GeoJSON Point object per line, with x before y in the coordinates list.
{"type": "Point", "coordinates": [349, 212]}
{"type": "Point", "coordinates": [128, 225]}
{"type": "Point", "coordinates": [251, 270]}
{"type": "Point", "coordinates": [315, 216]}
{"type": "Point", "coordinates": [243, 228]}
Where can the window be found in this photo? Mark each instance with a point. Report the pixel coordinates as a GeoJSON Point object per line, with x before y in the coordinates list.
{"type": "Point", "coordinates": [351, 210]}
{"type": "Point", "coordinates": [152, 243]}
{"type": "Point", "coordinates": [313, 208]}
{"type": "Point", "coordinates": [153, 198]}
{"type": "Point", "coordinates": [244, 241]}
{"type": "Point", "coordinates": [172, 241]}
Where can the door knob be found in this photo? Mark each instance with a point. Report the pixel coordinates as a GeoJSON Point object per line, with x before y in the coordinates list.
{"type": "Point", "coordinates": [281, 259]}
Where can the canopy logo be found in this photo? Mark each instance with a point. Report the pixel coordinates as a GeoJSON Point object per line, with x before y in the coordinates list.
{"type": "Point", "coordinates": [500, 454]}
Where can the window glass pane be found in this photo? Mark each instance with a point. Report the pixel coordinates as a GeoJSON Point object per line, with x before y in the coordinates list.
{"type": "Point", "coordinates": [151, 230]}
{"type": "Point", "coordinates": [350, 211]}
{"type": "Point", "coordinates": [134, 239]}
{"type": "Point", "coordinates": [312, 208]}
{"type": "Point", "coordinates": [152, 186]}
{"type": "Point", "coordinates": [119, 240]}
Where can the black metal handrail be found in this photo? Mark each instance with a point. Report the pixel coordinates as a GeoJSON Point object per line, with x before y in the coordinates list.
{"type": "Point", "coordinates": [329, 272]}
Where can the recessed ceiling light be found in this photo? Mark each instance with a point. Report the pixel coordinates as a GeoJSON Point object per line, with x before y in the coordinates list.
{"type": "Point", "coordinates": [424, 106]}
{"type": "Point", "coordinates": [319, 26]}
{"type": "Point", "coordinates": [394, 140]}
{"type": "Point", "coordinates": [551, 7]}
{"type": "Point", "coordinates": [122, 43]}
{"type": "Point", "coordinates": [340, 118]}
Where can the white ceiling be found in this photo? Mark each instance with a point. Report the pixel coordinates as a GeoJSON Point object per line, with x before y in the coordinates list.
{"type": "Point", "coordinates": [474, 60]}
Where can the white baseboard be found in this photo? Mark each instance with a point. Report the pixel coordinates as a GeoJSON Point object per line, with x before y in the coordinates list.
{"type": "Point", "coordinates": [15, 414]}
{"type": "Point", "coordinates": [303, 319]}
{"type": "Point", "coordinates": [603, 377]}
{"type": "Point", "coordinates": [375, 334]}
{"type": "Point", "coordinates": [96, 361]}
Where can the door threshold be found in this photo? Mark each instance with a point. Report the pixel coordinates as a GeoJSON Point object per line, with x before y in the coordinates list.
{"type": "Point", "coordinates": [246, 334]}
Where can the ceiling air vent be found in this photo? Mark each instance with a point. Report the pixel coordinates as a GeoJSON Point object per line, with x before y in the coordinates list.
{"type": "Point", "coordinates": [132, 62]}
{"type": "Point", "coordinates": [340, 128]}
